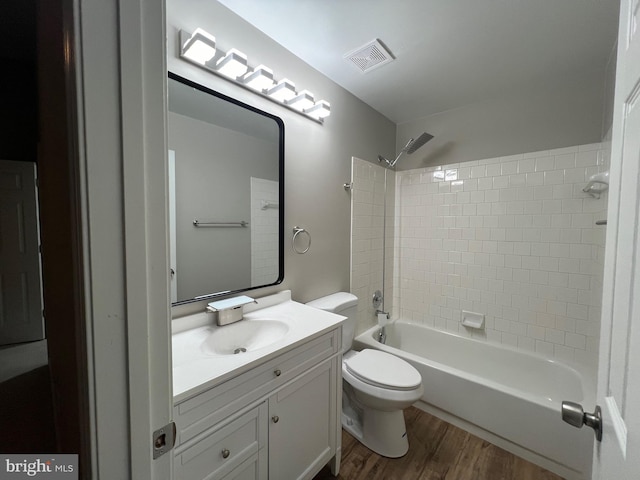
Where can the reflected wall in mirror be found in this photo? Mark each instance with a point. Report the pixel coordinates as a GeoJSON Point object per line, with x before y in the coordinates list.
{"type": "Point", "coordinates": [226, 194]}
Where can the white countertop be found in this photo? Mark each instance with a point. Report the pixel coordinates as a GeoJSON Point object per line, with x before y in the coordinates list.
{"type": "Point", "coordinates": [194, 370]}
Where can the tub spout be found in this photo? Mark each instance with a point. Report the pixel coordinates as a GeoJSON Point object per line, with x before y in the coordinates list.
{"type": "Point", "coordinates": [383, 318]}
{"type": "Point", "coordinates": [382, 335]}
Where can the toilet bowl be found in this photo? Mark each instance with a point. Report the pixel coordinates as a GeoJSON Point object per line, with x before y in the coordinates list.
{"type": "Point", "coordinates": [377, 386]}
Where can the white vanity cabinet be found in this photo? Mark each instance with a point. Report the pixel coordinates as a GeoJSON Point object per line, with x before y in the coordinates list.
{"type": "Point", "coordinates": [278, 420]}
{"type": "Point", "coordinates": [303, 425]}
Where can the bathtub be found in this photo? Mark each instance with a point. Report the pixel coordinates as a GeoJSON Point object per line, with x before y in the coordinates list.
{"type": "Point", "coordinates": [507, 397]}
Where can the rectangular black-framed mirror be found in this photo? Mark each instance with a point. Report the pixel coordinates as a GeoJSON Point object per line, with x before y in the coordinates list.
{"type": "Point", "coordinates": [226, 194]}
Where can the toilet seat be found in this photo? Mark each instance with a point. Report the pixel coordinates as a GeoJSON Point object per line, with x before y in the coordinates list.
{"type": "Point", "coordinates": [383, 370]}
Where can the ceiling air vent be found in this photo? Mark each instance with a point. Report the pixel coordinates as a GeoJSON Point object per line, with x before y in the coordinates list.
{"type": "Point", "coordinates": [369, 56]}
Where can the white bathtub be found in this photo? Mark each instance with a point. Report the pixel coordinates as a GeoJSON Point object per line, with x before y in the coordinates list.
{"type": "Point", "coordinates": [508, 397]}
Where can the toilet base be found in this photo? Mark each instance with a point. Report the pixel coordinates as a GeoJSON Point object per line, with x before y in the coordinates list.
{"type": "Point", "coordinates": [383, 432]}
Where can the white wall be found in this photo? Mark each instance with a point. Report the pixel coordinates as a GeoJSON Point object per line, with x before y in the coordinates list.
{"type": "Point", "coordinates": [525, 120]}
{"type": "Point", "coordinates": [513, 238]}
{"type": "Point", "coordinates": [609, 91]}
{"type": "Point", "coordinates": [317, 157]}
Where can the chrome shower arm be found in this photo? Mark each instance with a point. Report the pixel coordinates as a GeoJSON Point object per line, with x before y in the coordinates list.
{"type": "Point", "coordinates": [393, 164]}
{"type": "Point", "coordinates": [405, 148]}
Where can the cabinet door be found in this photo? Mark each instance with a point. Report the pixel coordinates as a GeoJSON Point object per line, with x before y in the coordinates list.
{"type": "Point", "coordinates": [302, 428]}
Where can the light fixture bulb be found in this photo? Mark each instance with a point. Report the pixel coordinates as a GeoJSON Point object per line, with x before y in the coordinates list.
{"type": "Point", "coordinates": [321, 109]}
{"type": "Point", "coordinates": [200, 47]}
{"type": "Point", "coordinates": [302, 101]}
{"type": "Point", "coordinates": [261, 78]}
{"type": "Point", "coordinates": [283, 91]}
{"type": "Point", "coordinates": [233, 64]}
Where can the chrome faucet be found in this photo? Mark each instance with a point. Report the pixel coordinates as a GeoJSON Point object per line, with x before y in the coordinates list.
{"type": "Point", "coordinates": [229, 310]}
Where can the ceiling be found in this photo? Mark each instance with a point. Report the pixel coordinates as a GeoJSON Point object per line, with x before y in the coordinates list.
{"type": "Point", "coordinates": [448, 53]}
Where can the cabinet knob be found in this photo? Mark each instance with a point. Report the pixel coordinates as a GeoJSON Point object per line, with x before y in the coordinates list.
{"type": "Point", "coordinates": [225, 453]}
{"type": "Point", "coordinates": [275, 419]}
{"type": "Point", "coordinates": [277, 372]}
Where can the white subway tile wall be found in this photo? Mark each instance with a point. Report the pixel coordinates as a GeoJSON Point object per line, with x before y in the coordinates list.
{"type": "Point", "coordinates": [264, 231]}
{"type": "Point", "coordinates": [367, 224]}
{"type": "Point", "coordinates": [512, 237]}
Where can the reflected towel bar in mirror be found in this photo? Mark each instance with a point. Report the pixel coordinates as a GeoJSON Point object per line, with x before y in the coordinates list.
{"type": "Point", "coordinates": [198, 223]}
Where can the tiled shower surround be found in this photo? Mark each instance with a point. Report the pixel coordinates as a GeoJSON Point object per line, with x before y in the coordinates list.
{"type": "Point", "coordinates": [513, 238]}
{"type": "Point", "coordinates": [367, 224]}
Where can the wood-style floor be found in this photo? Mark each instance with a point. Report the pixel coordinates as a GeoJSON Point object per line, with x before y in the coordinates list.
{"type": "Point", "coordinates": [437, 451]}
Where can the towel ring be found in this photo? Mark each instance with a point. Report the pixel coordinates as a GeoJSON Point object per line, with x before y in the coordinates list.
{"type": "Point", "coordinates": [297, 231]}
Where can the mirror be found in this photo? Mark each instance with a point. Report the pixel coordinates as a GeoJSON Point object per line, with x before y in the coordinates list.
{"type": "Point", "coordinates": [226, 194]}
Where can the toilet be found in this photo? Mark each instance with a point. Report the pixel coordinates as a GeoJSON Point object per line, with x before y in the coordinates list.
{"type": "Point", "coordinates": [377, 386]}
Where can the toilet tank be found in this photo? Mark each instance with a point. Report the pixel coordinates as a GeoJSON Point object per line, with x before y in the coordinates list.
{"type": "Point", "coordinates": [345, 304]}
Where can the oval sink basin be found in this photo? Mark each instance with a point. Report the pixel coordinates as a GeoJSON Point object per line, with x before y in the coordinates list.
{"type": "Point", "coordinates": [244, 336]}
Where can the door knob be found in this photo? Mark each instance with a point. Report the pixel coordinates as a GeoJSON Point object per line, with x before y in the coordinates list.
{"type": "Point", "coordinates": [573, 414]}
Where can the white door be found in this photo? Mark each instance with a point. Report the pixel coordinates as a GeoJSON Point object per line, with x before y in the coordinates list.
{"type": "Point", "coordinates": [618, 455]}
{"type": "Point", "coordinates": [118, 50]}
{"type": "Point", "coordinates": [20, 291]}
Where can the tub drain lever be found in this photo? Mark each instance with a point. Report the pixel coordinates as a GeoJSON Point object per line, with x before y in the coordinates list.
{"type": "Point", "coordinates": [573, 414]}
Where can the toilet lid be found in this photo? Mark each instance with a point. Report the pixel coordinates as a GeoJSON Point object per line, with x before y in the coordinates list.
{"type": "Point", "coordinates": [383, 370]}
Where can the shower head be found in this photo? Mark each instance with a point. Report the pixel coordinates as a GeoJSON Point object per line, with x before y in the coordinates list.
{"type": "Point", "coordinates": [411, 146]}
{"type": "Point", "coordinates": [414, 145]}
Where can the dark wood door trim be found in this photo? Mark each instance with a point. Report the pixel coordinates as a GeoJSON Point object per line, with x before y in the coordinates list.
{"type": "Point", "coordinates": [61, 227]}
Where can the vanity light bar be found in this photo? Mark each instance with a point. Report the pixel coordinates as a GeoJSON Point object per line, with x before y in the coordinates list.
{"type": "Point", "coordinates": [285, 90]}
{"type": "Point", "coordinates": [261, 78]}
{"type": "Point", "coordinates": [233, 64]}
{"type": "Point", "coordinates": [301, 101]}
{"type": "Point", "coordinates": [199, 48]}
{"type": "Point", "coordinates": [321, 109]}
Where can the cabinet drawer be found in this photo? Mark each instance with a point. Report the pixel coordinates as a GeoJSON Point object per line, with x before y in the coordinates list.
{"type": "Point", "coordinates": [255, 468]}
{"type": "Point", "coordinates": [219, 452]}
{"type": "Point", "coordinates": [197, 414]}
